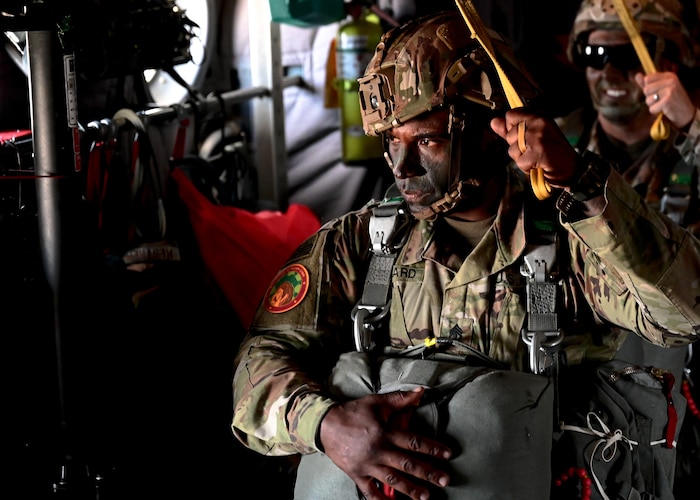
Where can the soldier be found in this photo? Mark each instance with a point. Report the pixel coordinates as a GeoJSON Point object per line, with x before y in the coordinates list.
{"type": "Point", "coordinates": [617, 123]}
{"type": "Point", "coordinates": [625, 102]}
{"type": "Point", "coordinates": [446, 267]}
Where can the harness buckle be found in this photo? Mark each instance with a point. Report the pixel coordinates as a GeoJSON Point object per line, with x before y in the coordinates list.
{"type": "Point", "coordinates": [386, 222]}
{"type": "Point", "coordinates": [542, 332]}
{"type": "Point", "coordinates": [363, 319]}
{"type": "Point", "coordinates": [540, 344]}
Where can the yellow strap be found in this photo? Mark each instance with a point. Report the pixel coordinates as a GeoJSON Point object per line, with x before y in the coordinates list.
{"type": "Point", "coordinates": [479, 31]}
{"type": "Point", "coordinates": [633, 32]}
{"type": "Point", "coordinates": [539, 185]}
{"type": "Point", "coordinates": [660, 129]}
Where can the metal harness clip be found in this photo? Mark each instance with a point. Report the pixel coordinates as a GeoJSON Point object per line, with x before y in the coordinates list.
{"type": "Point", "coordinates": [387, 218]}
{"type": "Point", "coordinates": [542, 331]}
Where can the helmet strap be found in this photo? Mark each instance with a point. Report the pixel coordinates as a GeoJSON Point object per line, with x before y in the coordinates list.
{"type": "Point", "coordinates": [455, 127]}
{"type": "Point", "coordinates": [659, 50]}
{"type": "Point", "coordinates": [446, 204]}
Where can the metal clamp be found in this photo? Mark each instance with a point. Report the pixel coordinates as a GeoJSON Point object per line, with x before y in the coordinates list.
{"type": "Point", "coordinates": [386, 222]}
{"type": "Point", "coordinates": [363, 318]}
{"type": "Point", "coordinates": [539, 344]}
{"type": "Point", "coordinates": [538, 262]}
{"type": "Point", "coordinates": [542, 332]}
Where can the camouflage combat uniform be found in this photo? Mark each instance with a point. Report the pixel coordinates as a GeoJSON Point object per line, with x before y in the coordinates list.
{"type": "Point", "coordinates": [439, 283]}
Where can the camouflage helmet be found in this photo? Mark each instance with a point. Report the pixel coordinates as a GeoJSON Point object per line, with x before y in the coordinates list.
{"type": "Point", "coordinates": [660, 18]}
{"type": "Point", "coordinates": [431, 62]}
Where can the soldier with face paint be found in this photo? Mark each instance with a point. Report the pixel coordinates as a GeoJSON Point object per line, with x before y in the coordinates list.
{"type": "Point", "coordinates": [461, 161]}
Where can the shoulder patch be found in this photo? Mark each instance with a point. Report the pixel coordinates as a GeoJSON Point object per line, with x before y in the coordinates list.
{"type": "Point", "coordinates": [288, 289]}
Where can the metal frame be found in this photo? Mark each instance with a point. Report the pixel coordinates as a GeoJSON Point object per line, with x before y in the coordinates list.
{"type": "Point", "coordinates": [267, 115]}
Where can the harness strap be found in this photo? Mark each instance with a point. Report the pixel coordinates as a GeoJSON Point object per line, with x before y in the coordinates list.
{"type": "Point", "coordinates": [541, 334]}
{"type": "Point", "coordinates": [388, 219]}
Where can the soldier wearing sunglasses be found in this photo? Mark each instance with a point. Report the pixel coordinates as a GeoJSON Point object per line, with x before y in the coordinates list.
{"type": "Point", "coordinates": [624, 103]}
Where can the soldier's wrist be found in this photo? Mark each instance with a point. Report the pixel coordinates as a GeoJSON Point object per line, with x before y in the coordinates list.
{"type": "Point", "coordinates": [592, 173]}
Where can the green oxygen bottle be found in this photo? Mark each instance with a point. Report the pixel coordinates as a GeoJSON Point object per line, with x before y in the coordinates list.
{"type": "Point", "coordinates": [357, 37]}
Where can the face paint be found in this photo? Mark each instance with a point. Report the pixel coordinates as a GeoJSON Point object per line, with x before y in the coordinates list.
{"type": "Point", "coordinates": [420, 154]}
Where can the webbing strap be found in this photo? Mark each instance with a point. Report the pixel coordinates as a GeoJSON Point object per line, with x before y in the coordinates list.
{"type": "Point", "coordinates": [386, 225]}
{"type": "Point", "coordinates": [378, 281]}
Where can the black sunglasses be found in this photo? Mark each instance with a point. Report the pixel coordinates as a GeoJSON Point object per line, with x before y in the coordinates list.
{"type": "Point", "coordinates": [622, 57]}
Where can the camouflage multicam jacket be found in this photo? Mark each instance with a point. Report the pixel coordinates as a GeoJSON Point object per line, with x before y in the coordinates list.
{"type": "Point", "coordinates": [664, 173]}
{"type": "Point", "coordinates": [627, 266]}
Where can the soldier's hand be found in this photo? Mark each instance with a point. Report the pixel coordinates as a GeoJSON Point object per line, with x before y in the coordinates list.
{"type": "Point", "coordinates": [673, 100]}
{"type": "Point", "coordinates": [546, 147]}
{"type": "Point", "coordinates": [370, 440]}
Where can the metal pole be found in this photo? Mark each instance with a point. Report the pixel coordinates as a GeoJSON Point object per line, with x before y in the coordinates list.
{"type": "Point", "coordinates": [41, 103]}
{"type": "Point", "coordinates": [54, 124]}
{"type": "Point", "coordinates": [268, 114]}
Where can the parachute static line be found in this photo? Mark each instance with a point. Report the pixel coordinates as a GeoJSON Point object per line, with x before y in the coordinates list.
{"type": "Point", "coordinates": [539, 185]}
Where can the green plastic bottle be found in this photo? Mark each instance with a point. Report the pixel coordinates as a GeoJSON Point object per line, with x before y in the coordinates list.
{"type": "Point", "coordinates": [357, 37]}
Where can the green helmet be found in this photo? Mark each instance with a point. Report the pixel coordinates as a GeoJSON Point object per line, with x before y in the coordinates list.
{"type": "Point", "coordinates": [431, 62]}
{"type": "Point", "coordinates": [662, 19]}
